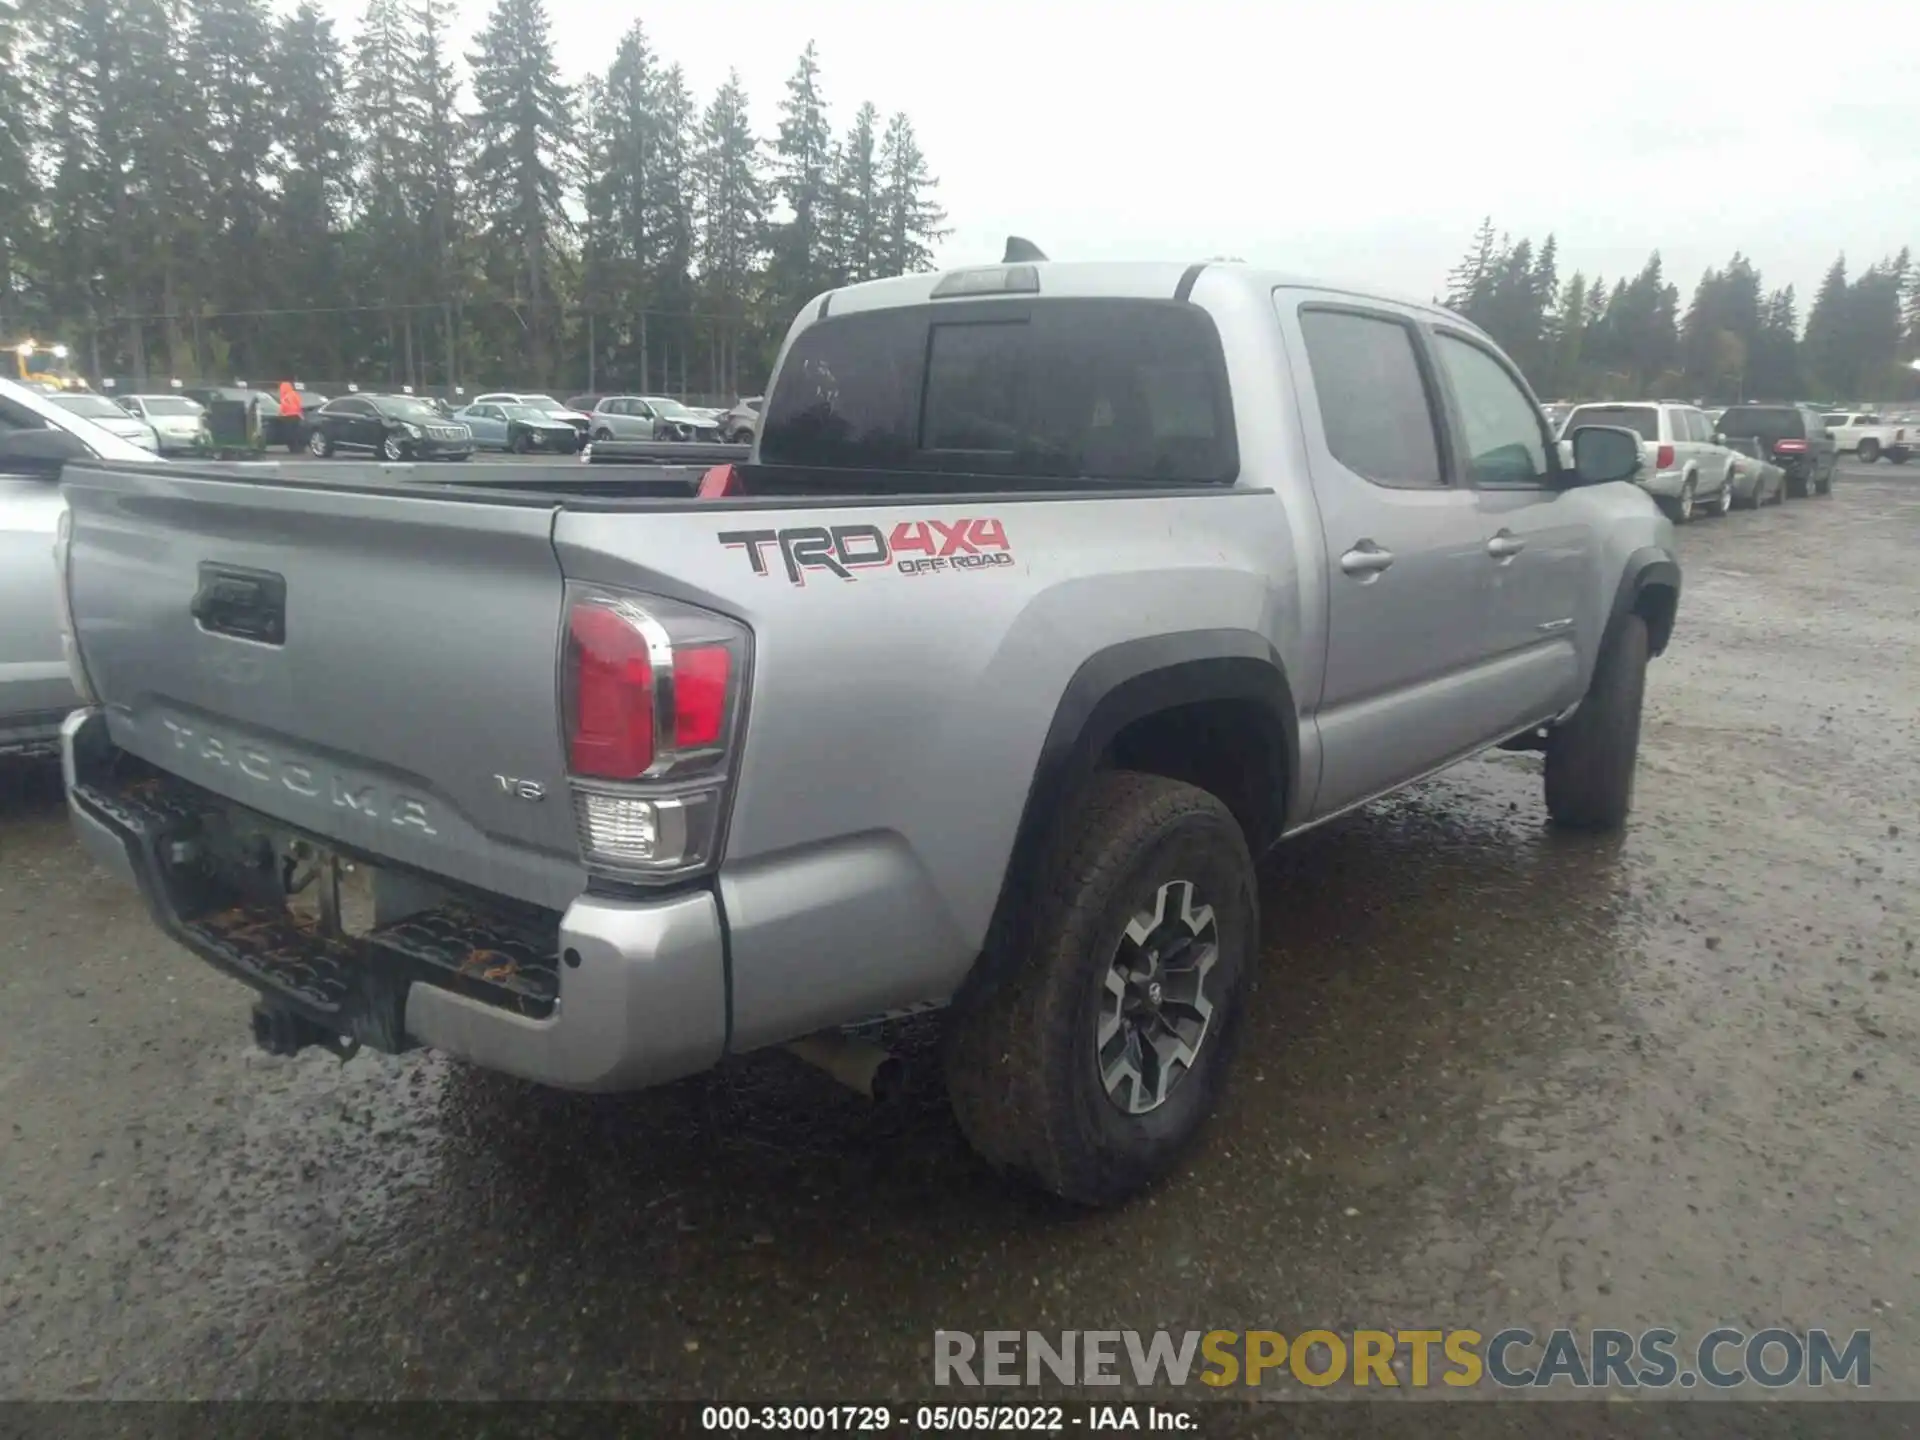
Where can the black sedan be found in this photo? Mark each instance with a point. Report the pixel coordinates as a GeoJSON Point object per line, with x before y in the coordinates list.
{"type": "Point", "coordinates": [394, 427]}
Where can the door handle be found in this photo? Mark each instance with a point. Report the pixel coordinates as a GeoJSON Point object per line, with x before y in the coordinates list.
{"type": "Point", "coordinates": [1505, 545]}
{"type": "Point", "coordinates": [1366, 559]}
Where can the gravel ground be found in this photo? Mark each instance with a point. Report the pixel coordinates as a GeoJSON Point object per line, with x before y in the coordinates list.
{"type": "Point", "coordinates": [1493, 1076]}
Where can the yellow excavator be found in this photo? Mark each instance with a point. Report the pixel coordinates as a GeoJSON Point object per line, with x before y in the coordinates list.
{"type": "Point", "coordinates": [46, 365]}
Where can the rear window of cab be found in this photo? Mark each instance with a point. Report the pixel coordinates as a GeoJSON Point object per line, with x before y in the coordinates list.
{"type": "Point", "coordinates": [1109, 389]}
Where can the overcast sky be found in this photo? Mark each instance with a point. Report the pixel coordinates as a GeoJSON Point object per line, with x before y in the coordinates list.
{"type": "Point", "coordinates": [1362, 140]}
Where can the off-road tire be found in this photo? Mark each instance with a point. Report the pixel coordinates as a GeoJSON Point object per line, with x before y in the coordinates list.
{"type": "Point", "coordinates": [1868, 452]}
{"type": "Point", "coordinates": [1590, 759]}
{"type": "Point", "coordinates": [1020, 1039]}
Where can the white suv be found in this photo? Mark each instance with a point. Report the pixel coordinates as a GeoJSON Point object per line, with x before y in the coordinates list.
{"type": "Point", "coordinates": [1685, 469]}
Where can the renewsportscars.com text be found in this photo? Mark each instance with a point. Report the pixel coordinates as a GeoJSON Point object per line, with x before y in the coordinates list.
{"type": "Point", "coordinates": [1514, 1358]}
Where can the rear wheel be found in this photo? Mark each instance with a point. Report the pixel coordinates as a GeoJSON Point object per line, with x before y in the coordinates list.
{"type": "Point", "coordinates": [1680, 510]}
{"type": "Point", "coordinates": [1591, 758]}
{"type": "Point", "coordinates": [1868, 452]}
{"type": "Point", "coordinates": [1091, 1061]}
{"type": "Point", "coordinates": [1725, 502]}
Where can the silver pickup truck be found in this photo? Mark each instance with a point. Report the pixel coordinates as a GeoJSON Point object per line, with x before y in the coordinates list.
{"type": "Point", "coordinates": [1051, 596]}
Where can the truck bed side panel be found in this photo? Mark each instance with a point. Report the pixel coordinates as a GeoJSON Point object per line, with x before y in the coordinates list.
{"type": "Point", "coordinates": [896, 719]}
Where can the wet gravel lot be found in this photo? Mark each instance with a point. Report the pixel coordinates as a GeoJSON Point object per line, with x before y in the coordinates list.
{"type": "Point", "coordinates": [1493, 1076]}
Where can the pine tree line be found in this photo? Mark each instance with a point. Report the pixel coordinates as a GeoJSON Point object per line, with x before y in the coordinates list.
{"type": "Point", "coordinates": [209, 189]}
{"type": "Point", "coordinates": [1735, 340]}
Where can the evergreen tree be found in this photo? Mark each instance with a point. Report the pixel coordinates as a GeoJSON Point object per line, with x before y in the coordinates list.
{"type": "Point", "coordinates": [731, 199]}
{"type": "Point", "coordinates": [440, 199]}
{"type": "Point", "coordinates": [1829, 367]}
{"type": "Point", "coordinates": [19, 218]}
{"type": "Point", "coordinates": [1468, 280]}
{"type": "Point", "coordinates": [802, 155]}
{"type": "Point", "coordinates": [1569, 338]}
{"type": "Point", "coordinates": [523, 129]}
{"type": "Point", "coordinates": [857, 196]}
{"type": "Point", "coordinates": [912, 223]}
{"type": "Point", "coordinates": [305, 83]}
{"type": "Point", "coordinates": [1874, 326]}
{"type": "Point", "coordinates": [226, 49]}
{"type": "Point", "coordinates": [1774, 371]}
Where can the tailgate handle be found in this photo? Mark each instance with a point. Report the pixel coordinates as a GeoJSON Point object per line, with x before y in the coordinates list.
{"type": "Point", "coordinates": [246, 604]}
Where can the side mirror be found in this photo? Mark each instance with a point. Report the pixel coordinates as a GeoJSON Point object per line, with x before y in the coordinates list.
{"type": "Point", "coordinates": [40, 452]}
{"type": "Point", "coordinates": [1603, 454]}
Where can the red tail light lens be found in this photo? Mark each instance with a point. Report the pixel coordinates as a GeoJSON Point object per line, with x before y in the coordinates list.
{"type": "Point", "coordinates": [720, 480]}
{"type": "Point", "coordinates": [610, 670]}
{"type": "Point", "coordinates": [700, 696]}
{"type": "Point", "coordinates": [1789, 447]}
{"type": "Point", "coordinates": [1663, 458]}
{"type": "Point", "coordinates": [649, 686]}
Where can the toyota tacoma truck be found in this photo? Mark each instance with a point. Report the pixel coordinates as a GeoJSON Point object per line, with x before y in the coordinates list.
{"type": "Point", "coordinates": [1050, 596]}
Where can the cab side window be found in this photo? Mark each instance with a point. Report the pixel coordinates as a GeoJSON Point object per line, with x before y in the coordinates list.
{"type": "Point", "coordinates": [1372, 397]}
{"type": "Point", "coordinates": [1506, 443]}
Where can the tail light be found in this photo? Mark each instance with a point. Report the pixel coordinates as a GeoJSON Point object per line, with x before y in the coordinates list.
{"type": "Point", "coordinates": [720, 480]}
{"type": "Point", "coordinates": [1789, 447]}
{"type": "Point", "coordinates": [651, 695]}
{"type": "Point", "coordinates": [69, 632]}
{"type": "Point", "coordinates": [1663, 458]}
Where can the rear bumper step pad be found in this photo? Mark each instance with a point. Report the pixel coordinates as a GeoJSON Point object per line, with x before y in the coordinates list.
{"type": "Point", "coordinates": [353, 986]}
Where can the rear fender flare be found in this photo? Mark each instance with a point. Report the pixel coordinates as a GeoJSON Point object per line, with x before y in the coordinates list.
{"type": "Point", "coordinates": [1111, 690]}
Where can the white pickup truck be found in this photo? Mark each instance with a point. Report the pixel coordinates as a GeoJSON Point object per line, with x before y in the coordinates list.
{"type": "Point", "coordinates": [1868, 437]}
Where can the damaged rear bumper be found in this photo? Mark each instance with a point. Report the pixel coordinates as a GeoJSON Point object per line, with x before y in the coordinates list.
{"type": "Point", "coordinates": [613, 994]}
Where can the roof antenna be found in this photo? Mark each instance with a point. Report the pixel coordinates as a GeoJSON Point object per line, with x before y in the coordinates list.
{"type": "Point", "coordinates": [1021, 252]}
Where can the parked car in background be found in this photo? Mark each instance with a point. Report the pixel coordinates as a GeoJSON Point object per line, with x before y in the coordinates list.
{"type": "Point", "coordinates": [649, 417]}
{"type": "Point", "coordinates": [517, 429]}
{"type": "Point", "coordinates": [546, 404]}
{"type": "Point", "coordinates": [1868, 437]}
{"type": "Point", "coordinates": [1757, 480]}
{"type": "Point", "coordinates": [740, 424]}
{"type": "Point", "coordinates": [1684, 469]}
{"type": "Point", "coordinates": [179, 423]}
{"type": "Point", "coordinates": [622, 417]}
{"type": "Point", "coordinates": [394, 427]}
{"type": "Point", "coordinates": [108, 416]}
{"type": "Point", "coordinates": [36, 435]}
{"type": "Point", "coordinates": [587, 403]}
{"type": "Point", "coordinates": [1796, 439]}
{"type": "Point", "coordinates": [1556, 414]}
{"type": "Point", "coordinates": [674, 421]}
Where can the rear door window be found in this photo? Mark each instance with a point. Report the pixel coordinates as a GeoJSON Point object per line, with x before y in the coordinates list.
{"type": "Point", "coordinates": [1126, 390]}
{"type": "Point", "coordinates": [1373, 399]}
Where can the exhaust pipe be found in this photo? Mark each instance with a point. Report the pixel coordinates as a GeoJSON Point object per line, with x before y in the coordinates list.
{"type": "Point", "coordinates": [860, 1065]}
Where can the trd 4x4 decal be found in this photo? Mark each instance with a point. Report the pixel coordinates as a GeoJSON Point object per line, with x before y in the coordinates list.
{"type": "Point", "coordinates": [913, 547]}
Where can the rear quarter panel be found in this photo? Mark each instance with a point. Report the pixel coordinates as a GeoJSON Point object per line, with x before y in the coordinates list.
{"type": "Point", "coordinates": [896, 719]}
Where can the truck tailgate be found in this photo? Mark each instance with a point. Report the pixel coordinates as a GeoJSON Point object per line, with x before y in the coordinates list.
{"type": "Point", "coordinates": [372, 666]}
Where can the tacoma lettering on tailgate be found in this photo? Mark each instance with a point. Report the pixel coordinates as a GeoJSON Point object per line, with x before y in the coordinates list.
{"type": "Point", "coordinates": [913, 547]}
{"type": "Point", "coordinates": [256, 763]}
